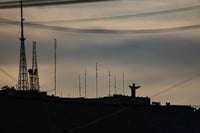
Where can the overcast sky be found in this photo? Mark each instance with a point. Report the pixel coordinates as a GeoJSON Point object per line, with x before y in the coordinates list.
{"type": "Point", "coordinates": [156, 61]}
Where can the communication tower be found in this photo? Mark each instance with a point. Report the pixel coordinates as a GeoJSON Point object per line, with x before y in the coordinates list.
{"type": "Point", "coordinates": [33, 72]}
{"type": "Point", "coordinates": [23, 75]}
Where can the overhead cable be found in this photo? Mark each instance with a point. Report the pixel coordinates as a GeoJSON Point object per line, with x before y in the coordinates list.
{"type": "Point", "coordinates": [35, 3]}
{"type": "Point", "coordinates": [7, 74]}
{"type": "Point", "coordinates": [176, 85]}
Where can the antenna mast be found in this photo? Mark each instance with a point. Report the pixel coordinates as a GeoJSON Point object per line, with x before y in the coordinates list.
{"type": "Point", "coordinates": [123, 83]}
{"type": "Point", "coordinates": [55, 46]}
{"type": "Point", "coordinates": [109, 83]}
{"type": "Point", "coordinates": [115, 86]}
{"type": "Point", "coordinates": [23, 75]}
{"type": "Point", "coordinates": [79, 79]}
{"type": "Point", "coordinates": [96, 80]}
{"type": "Point", "coordinates": [85, 83]}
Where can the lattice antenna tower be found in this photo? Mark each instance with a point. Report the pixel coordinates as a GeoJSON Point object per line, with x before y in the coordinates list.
{"type": "Point", "coordinates": [23, 74]}
{"type": "Point", "coordinates": [34, 77]}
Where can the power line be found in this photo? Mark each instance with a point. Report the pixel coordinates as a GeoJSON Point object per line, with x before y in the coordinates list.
{"type": "Point", "coordinates": [100, 119]}
{"type": "Point", "coordinates": [7, 74]}
{"type": "Point", "coordinates": [145, 14]}
{"type": "Point", "coordinates": [176, 85]}
{"type": "Point", "coordinates": [105, 31]}
{"type": "Point", "coordinates": [35, 3]}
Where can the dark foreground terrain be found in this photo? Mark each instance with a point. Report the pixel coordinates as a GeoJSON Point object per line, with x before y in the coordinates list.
{"type": "Point", "coordinates": [45, 114]}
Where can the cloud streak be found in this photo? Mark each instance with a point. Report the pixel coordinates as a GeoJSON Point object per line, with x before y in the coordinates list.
{"type": "Point", "coordinates": [105, 31]}
{"type": "Point", "coordinates": [146, 14]}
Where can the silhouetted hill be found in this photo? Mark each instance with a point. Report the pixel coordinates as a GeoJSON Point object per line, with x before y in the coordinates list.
{"type": "Point", "coordinates": [39, 113]}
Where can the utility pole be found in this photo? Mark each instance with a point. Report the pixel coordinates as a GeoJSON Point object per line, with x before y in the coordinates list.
{"type": "Point", "coordinates": [55, 46]}
{"type": "Point", "coordinates": [23, 74]}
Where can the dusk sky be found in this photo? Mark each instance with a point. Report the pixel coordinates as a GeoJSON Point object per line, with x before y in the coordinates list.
{"type": "Point", "coordinates": [122, 36]}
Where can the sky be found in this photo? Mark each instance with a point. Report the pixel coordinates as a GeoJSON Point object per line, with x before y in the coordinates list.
{"type": "Point", "coordinates": [113, 35]}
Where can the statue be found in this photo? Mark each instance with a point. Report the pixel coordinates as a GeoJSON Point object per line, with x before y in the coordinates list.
{"type": "Point", "coordinates": [133, 90]}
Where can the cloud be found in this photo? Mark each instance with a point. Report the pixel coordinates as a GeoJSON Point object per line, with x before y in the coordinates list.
{"type": "Point", "coordinates": [106, 31]}
{"type": "Point", "coordinates": [161, 50]}
{"type": "Point", "coordinates": [153, 13]}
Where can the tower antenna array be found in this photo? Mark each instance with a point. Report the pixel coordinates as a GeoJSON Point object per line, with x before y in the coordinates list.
{"type": "Point", "coordinates": [35, 67]}
{"type": "Point", "coordinates": [23, 75]}
{"type": "Point", "coordinates": [33, 72]}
